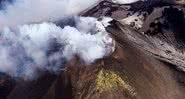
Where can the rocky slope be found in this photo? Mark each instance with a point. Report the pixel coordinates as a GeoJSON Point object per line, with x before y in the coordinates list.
{"type": "Point", "coordinates": [148, 62]}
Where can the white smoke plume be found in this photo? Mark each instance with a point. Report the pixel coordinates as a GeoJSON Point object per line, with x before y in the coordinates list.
{"type": "Point", "coordinates": [27, 48]}
{"type": "Point", "coordinates": [30, 11]}
{"type": "Point", "coordinates": [30, 42]}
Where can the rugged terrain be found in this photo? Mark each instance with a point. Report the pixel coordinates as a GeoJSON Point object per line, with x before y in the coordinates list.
{"type": "Point", "coordinates": [148, 62]}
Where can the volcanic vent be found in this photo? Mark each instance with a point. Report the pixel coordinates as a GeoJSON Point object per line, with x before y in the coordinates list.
{"type": "Point", "coordinates": [97, 49]}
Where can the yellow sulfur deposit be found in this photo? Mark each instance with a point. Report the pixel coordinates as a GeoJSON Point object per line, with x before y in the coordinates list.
{"type": "Point", "coordinates": [109, 80]}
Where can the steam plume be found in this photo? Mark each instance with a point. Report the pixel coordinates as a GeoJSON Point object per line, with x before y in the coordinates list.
{"type": "Point", "coordinates": [46, 46]}
{"type": "Point", "coordinates": [29, 41]}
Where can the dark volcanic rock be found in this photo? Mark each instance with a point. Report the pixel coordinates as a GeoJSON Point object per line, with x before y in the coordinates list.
{"type": "Point", "coordinates": [167, 23]}
{"type": "Point", "coordinates": [131, 74]}
{"type": "Point", "coordinates": [140, 68]}
{"type": "Point", "coordinates": [6, 85]}
{"type": "Point", "coordinates": [32, 89]}
{"type": "Point", "coordinates": [106, 8]}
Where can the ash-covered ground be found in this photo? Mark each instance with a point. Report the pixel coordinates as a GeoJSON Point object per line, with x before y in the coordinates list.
{"type": "Point", "coordinates": [99, 49]}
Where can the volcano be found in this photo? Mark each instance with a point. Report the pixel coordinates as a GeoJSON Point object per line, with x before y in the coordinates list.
{"type": "Point", "coordinates": [148, 60]}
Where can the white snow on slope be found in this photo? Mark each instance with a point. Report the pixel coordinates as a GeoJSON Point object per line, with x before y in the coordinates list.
{"type": "Point", "coordinates": [124, 1]}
